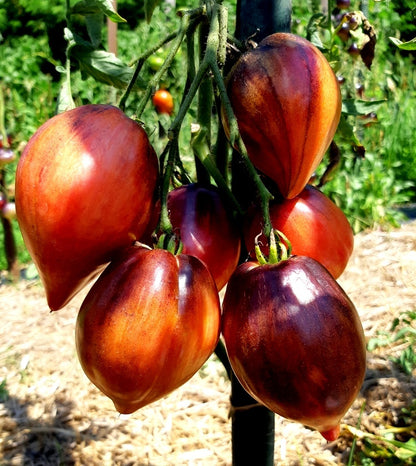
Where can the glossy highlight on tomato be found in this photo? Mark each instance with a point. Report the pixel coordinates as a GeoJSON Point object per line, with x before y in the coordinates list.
{"type": "Point", "coordinates": [295, 341]}
{"type": "Point", "coordinates": [287, 102]}
{"type": "Point", "coordinates": [315, 226]}
{"type": "Point", "coordinates": [199, 216]}
{"type": "Point", "coordinates": [147, 325]}
{"type": "Point", "coordinates": [84, 191]}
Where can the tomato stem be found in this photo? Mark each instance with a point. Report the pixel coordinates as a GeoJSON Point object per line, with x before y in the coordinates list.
{"type": "Point", "coordinates": [3, 133]}
{"type": "Point", "coordinates": [201, 150]}
{"type": "Point", "coordinates": [235, 140]}
{"type": "Point", "coordinates": [187, 19]}
{"type": "Point", "coordinates": [280, 248]}
{"type": "Point", "coordinates": [165, 225]}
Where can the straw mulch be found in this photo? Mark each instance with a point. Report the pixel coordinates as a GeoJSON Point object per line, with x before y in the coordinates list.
{"type": "Point", "coordinates": [50, 414]}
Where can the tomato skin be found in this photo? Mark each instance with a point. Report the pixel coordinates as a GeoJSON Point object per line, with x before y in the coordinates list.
{"type": "Point", "coordinates": [206, 230]}
{"type": "Point", "coordinates": [295, 340]}
{"type": "Point", "coordinates": [147, 326]}
{"type": "Point", "coordinates": [315, 226]}
{"type": "Point", "coordinates": [84, 190]}
{"type": "Point", "coordinates": [287, 102]}
{"type": "Point", "coordinates": [163, 101]}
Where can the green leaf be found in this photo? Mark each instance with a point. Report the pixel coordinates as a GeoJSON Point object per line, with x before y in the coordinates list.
{"type": "Point", "coordinates": [92, 7]}
{"type": "Point", "coordinates": [406, 450]}
{"type": "Point", "coordinates": [94, 25]}
{"type": "Point", "coordinates": [105, 67]}
{"type": "Point", "coordinates": [360, 107]}
{"type": "Point", "coordinates": [149, 8]}
{"type": "Point", "coordinates": [312, 30]}
{"type": "Point", "coordinates": [410, 45]}
{"type": "Point", "coordinates": [65, 101]}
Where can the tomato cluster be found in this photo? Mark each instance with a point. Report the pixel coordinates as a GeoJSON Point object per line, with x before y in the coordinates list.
{"type": "Point", "coordinates": [87, 205]}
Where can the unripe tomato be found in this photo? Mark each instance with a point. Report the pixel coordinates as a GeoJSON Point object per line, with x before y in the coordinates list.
{"type": "Point", "coordinates": [155, 62]}
{"type": "Point", "coordinates": [315, 226]}
{"type": "Point", "coordinates": [295, 341]}
{"type": "Point", "coordinates": [163, 101]}
{"type": "Point", "coordinates": [206, 230]}
{"type": "Point", "coordinates": [84, 191]}
{"type": "Point", "coordinates": [287, 102]}
{"type": "Point", "coordinates": [147, 325]}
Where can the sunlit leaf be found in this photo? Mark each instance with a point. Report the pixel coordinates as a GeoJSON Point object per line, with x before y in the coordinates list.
{"type": "Point", "coordinates": [92, 7]}
{"type": "Point", "coordinates": [410, 45]}
{"type": "Point", "coordinates": [357, 107]}
{"type": "Point", "coordinates": [105, 67]}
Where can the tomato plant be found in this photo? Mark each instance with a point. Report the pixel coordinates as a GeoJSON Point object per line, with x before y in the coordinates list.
{"type": "Point", "coordinates": [147, 325]}
{"type": "Point", "coordinates": [295, 341]}
{"type": "Point", "coordinates": [163, 101]}
{"type": "Point", "coordinates": [287, 102]}
{"type": "Point", "coordinates": [205, 228]}
{"type": "Point", "coordinates": [90, 188]}
{"type": "Point", "coordinates": [314, 225]}
{"type": "Point", "coordinates": [84, 190]}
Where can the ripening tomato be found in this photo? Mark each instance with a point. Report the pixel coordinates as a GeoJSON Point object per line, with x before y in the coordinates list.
{"type": "Point", "coordinates": [84, 191]}
{"type": "Point", "coordinates": [163, 101]}
{"type": "Point", "coordinates": [295, 341]}
{"type": "Point", "coordinates": [205, 228]}
{"type": "Point", "coordinates": [287, 102]}
{"type": "Point", "coordinates": [147, 325]}
{"type": "Point", "coordinates": [315, 226]}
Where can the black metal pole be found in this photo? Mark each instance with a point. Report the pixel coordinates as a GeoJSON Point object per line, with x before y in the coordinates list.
{"type": "Point", "coordinates": [263, 17]}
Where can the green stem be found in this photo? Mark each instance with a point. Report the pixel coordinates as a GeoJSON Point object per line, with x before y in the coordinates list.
{"type": "Point", "coordinates": [139, 64]}
{"type": "Point", "coordinates": [193, 88]}
{"type": "Point", "coordinates": [202, 151]}
{"type": "Point", "coordinates": [165, 225]}
{"type": "Point", "coordinates": [156, 47]}
{"type": "Point", "coordinates": [185, 24]}
{"type": "Point", "coordinates": [222, 38]}
{"type": "Point", "coordinates": [205, 101]}
{"type": "Point", "coordinates": [264, 194]}
{"type": "Point", "coordinates": [3, 132]}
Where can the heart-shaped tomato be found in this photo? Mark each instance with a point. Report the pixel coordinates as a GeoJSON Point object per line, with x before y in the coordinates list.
{"type": "Point", "coordinates": [147, 325]}
{"type": "Point", "coordinates": [287, 102]}
{"type": "Point", "coordinates": [295, 341]}
{"type": "Point", "coordinates": [84, 190]}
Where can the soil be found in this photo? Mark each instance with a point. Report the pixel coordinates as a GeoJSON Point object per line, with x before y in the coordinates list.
{"type": "Point", "coordinates": [50, 414]}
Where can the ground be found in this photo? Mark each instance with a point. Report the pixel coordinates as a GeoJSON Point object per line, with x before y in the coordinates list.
{"type": "Point", "coordinates": [50, 414]}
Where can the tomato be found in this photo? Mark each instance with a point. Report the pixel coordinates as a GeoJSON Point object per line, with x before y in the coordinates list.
{"type": "Point", "coordinates": [315, 226]}
{"type": "Point", "coordinates": [147, 325]}
{"type": "Point", "coordinates": [287, 102]}
{"type": "Point", "coordinates": [3, 200]}
{"type": "Point", "coordinates": [8, 210]}
{"type": "Point", "coordinates": [163, 101]}
{"type": "Point", "coordinates": [206, 230]}
{"type": "Point", "coordinates": [6, 156]}
{"type": "Point", "coordinates": [155, 62]}
{"type": "Point", "coordinates": [84, 190]}
{"type": "Point", "coordinates": [295, 341]}
{"type": "Point", "coordinates": [343, 4]}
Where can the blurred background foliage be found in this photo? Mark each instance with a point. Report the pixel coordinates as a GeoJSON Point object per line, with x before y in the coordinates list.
{"type": "Point", "coordinates": [371, 189]}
